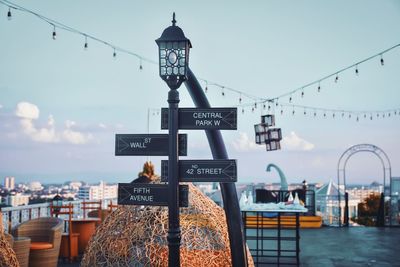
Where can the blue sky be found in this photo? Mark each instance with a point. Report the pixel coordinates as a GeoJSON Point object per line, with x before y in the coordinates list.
{"type": "Point", "coordinates": [61, 106]}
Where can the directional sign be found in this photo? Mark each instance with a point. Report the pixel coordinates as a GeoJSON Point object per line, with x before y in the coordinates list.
{"type": "Point", "coordinates": [223, 171]}
{"type": "Point", "coordinates": [149, 194]}
{"type": "Point", "coordinates": [203, 119]}
{"type": "Point", "coordinates": [147, 145]}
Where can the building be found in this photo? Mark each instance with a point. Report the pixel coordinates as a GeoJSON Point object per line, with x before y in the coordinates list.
{"type": "Point", "coordinates": [327, 203]}
{"type": "Point", "coordinates": [98, 192]}
{"type": "Point", "coordinates": [9, 183]}
{"type": "Point", "coordinates": [17, 199]}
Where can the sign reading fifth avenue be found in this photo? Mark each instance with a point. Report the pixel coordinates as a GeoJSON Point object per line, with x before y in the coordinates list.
{"type": "Point", "coordinates": [203, 119]}
{"type": "Point", "coordinates": [147, 145]}
{"type": "Point", "coordinates": [223, 171]}
{"type": "Point", "coordinates": [149, 194]}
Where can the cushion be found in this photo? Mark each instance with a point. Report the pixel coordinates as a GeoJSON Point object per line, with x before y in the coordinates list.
{"type": "Point", "coordinates": [41, 245]}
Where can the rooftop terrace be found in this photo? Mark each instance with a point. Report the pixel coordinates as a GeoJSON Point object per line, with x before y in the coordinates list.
{"type": "Point", "coordinates": [343, 247]}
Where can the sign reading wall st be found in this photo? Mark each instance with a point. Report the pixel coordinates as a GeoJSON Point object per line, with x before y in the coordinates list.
{"type": "Point", "coordinates": [147, 145]}
{"type": "Point", "coordinates": [223, 170]}
{"type": "Point", "coordinates": [203, 118]}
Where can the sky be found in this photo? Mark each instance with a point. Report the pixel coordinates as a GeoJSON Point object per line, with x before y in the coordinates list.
{"type": "Point", "coordinates": [61, 106]}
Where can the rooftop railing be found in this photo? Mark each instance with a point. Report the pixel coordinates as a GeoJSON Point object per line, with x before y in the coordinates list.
{"type": "Point", "coordinates": [13, 216]}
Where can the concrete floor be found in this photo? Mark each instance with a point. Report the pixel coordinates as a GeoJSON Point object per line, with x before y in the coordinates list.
{"type": "Point", "coordinates": [350, 247]}
{"type": "Point", "coordinates": [343, 247]}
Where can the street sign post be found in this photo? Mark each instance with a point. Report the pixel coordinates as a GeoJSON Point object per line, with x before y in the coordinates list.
{"type": "Point", "coordinates": [203, 119]}
{"type": "Point", "coordinates": [149, 194]}
{"type": "Point", "coordinates": [223, 171]}
{"type": "Point", "coordinates": [147, 145]}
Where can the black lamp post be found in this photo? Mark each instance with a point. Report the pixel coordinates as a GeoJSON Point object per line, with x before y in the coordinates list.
{"type": "Point", "coordinates": [174, 58]}
{"type": "Point", "coordinates": [57, 202]}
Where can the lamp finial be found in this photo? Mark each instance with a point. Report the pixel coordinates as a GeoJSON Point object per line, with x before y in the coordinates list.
{"type": "Point", "coordinates": [173, 19]}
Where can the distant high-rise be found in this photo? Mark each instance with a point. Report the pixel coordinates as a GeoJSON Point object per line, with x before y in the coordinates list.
{"type": "Point", "coordinates": [9, 183]}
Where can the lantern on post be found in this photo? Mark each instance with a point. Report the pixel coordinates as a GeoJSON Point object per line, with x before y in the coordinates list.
{"type": "Point", "coordinates": [57, 203]}
{"type": "Point", "coordinates": [173, 49]}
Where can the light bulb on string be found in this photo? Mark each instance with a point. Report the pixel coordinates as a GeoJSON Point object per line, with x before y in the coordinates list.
{"type": "Point", "coordinates": [319, 87]}
{"type": "Point", "coordinates": [383, 115]}
{"type": "Point", "coordinates": [315, 113]}
{"type": "Point", "coordinates": [255, 104]}
{"type": "Point", "coordinates": [276, 104]}
{"type": "Point", "coordinates": [206, 88]}
{"type": "Point", "coordinates": [9, 16]}
{"type": "Point", "coordinates": [356, 70]}
{"type": "Point", "coordinates": [86, 43]}
{"type": "Point", "coordinates": [357, 118]}
{"type": "Point", "coordinates": [302, 93]}
{"type": "Point", "coordinates": [377, 115]}
{"type": "Point", "coordinates": [140, 64]}
{"type": "Point", "coordinates": [305, 112]}
{"type": "Point", "coordinates": [281, 111]}
{"type": "Point", "coordinates": [290, 99]}
{"type": "Point", "coordinates": [370, 117]}
{"type": "Point", "coordinates": [382, 61]}
{"type": "Point", "coordinates": [252, 109]}
{"type": "Point", "coordinates": [349, 116]}
{"type": "Point", "coordinates": [242, 110]}
{"type": "Point", "coordinates": [114, 54]}
{"type": "Point", "coordinates": [222, 91]}
{"type": "Point", "coordinates": [293, 111]}
{"type": "Point", "coordinates": [240, 99]}
{"type": "Point", "coordinates": [342, 114]}
{"type": "Point", "coordinates": [365, 116]}
{"type": "Point", "coordinates": [269, 107]}
{"type": "Point", "coordinates": [54, 32]}
{"type": "Point", "coordinates": [337, 78]}
{"type": "Point", "coordinates": [389, 114]}
{"type": "Point", "coordinates": [324, 115]}
{"type": "Point", "coordinates": [333, 115]}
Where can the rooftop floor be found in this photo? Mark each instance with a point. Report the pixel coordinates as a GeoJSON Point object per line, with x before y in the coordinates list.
{"type": "Point", "coordinates": [344, 247]}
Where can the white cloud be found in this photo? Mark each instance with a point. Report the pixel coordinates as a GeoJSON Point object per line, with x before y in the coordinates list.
{"type": "Point", "coordinates": [1, 106]}
{"type": "Point", "coordinates": [27, 110]}
{"type": "Point", "coordinates": [102, 125]}
{"type": "Point", "coordinates": [294, 142]}
{"type": "Point", "coordinates": [244, 143]}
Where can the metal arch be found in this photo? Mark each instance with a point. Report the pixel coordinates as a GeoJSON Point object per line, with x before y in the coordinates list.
{"type": "Point", "coordinates": [363, 148]}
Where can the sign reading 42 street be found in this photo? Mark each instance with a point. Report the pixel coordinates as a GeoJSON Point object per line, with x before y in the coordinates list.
{"type": "Point", "coordinates": [223, 170]}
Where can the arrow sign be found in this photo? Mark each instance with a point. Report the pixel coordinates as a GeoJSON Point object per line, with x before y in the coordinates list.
{"type": "Point", "coordinates": [203, 118]}
{"type": "Point", "coordinates": [147, 145]}
{"type": "Point", "coordinates": [223, 171]}
{"type": "Point", "coordinates": [149, 194]}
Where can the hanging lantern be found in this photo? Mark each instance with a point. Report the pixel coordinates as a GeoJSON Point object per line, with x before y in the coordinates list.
{"type": "Point", "coordinates": [269, 120]}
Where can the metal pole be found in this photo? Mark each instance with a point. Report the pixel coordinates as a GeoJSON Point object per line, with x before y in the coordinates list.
{"type": "Point", "coordinates": [228, 190]}
{"type": "Point", "coordinates": [174, 230]}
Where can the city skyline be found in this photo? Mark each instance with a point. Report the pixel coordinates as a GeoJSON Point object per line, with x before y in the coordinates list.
{"type": "Point", "coordinates": [61, 106]}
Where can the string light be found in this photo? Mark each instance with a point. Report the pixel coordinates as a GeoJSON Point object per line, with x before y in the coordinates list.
{"type": "Point", "coordinates": [281, 111]}
{"type": "Point", "coordinates": [140, 64]}
{"type": "Point", "coordinates": [206, 88]}
{"type": "Point", "coordinates": [255, 105]}
{"type": "Point", "coordinates": [252, 109]}
{"type": "Point", "coordinates": [54, 32]}
{"type": "Point", "coordinates": [302, 93]}
{"type": "Point", "coordinates": [240, 99]}
{"type": "Point", "coordinates": [357, 118]}
{"type": "Point", "coordinates": [61, 26]}
{"type": "Point", "coordinates": [333, 115]}
{"type": "Point", "coordinates": [276, 104]}
{"type": "Point", "coordinates": [290, 99]}
{"type": "Point", "coordinates": [242, 110]}
{"type": "Point", "coordinates": [222, 91]}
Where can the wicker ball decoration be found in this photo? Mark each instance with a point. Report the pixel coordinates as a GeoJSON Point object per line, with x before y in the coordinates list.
{"type": "Point", "coordinates": [7, 254]}
{"type": "Point", "coordinates": [137, 236]}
